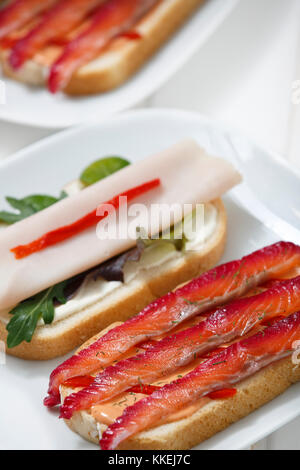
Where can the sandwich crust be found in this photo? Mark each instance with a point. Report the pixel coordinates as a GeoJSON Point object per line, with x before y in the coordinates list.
{"type": "Point", "coordinates": [120, 60]}
{"type": "Point", "coordinates": [57, 339]}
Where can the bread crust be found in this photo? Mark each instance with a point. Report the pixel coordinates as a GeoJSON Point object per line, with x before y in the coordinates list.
{"type": "Point", "coordinates": [58, 339]}
{"type": "Point", "coordinates": [121, 59]}
{"type": "Point", "coordinates": [212, 418]}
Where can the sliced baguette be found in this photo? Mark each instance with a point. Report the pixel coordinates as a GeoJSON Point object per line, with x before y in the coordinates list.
{"type": "Point", "coordinates": [59, 338]}
{"type": "Point", "coordinates": [119, 61]}
{"type": "Point", "coordinates": [212, 418]}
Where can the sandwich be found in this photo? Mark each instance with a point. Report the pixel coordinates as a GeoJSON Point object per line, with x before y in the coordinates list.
{"type": "Point", "coordinates": [84, 47]}
{"type": "Point", "coordinates": [192, 362]}
{"type": "Point", "coordinates": [72, 265]}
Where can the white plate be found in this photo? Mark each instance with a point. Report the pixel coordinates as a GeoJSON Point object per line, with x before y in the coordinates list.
{"type": "Point", "coordinates": [46, 167]}
{"type": "Point", "coordinates": [37, 107]}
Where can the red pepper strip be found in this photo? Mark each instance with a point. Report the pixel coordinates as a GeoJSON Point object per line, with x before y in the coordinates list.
{"type": "Point", "coordinates": [221, 394]}
{"type": "Point", "coordinates": [133, 35]}
{"type": "Point", "coordinates": [234, 364]}
{"type": "Point", "coordinates": [113, 18]}
{"type": "Point", "coordinates": [144, 389]}
{"type": "Point", "coordinates": [61, 19]}
{"type": "Point", "coordinates": [68, 231]}
{"type": "Point", "coordinates": [19, 12]}
{"type": "Point", "coordinates": [80, 381]}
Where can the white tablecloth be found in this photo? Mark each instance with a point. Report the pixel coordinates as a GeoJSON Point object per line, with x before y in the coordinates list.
{"type": "Point", "coordinates": [244, 76]}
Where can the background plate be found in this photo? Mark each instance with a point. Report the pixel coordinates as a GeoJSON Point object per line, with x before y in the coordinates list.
{"type": "Point", "coordinates": [47, 166]}
{"type": "Point", "coordinates": [37, 107]}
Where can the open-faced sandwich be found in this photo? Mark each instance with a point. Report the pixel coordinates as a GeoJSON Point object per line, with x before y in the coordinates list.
{"type": "Point", "coordinates": [192, 362]}
{"type": "Point", "coordinates": [85, 46]}
{"type": "Point", "coordinates": [64, 276]}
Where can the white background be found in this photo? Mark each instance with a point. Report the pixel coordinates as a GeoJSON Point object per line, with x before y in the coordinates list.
{"type": "Point", "coordinates": [242, 76]}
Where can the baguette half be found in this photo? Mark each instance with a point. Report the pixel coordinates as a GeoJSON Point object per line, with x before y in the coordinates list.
{"type": "Point", "coordinates": [57, 339]}
{"type": "Point", "coordinates": [119, 61]}
{"type": "Point", "coordinates": [212, 418]}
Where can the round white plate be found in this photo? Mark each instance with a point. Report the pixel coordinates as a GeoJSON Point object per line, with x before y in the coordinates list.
{"type": "Point", "coordinates": [47, 165]}
{"type": "Point", "coordinates": [37, 107]}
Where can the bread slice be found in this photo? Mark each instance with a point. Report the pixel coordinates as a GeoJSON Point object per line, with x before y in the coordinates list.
{"type": "Point", "coordinates": [213, 417]}
{"type": "Point", "coordinates": [120, 60]}
{"type": "Point", "coordinates": [59, 338]}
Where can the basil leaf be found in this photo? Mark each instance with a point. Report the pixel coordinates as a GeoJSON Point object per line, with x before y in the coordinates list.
{"type": "Point", "coordinates": [27, 314]}
{"type": "Point", "coordinates": [27, 207]}
{"type": "Point", "coordinates": [39, 202]}
{"type": "Point", "coordinates": [101, 169]}
{"type": "Point", "coordinates": [21, 205]}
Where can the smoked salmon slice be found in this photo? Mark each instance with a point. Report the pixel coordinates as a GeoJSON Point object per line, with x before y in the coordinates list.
{"type": "Point", "coordinates": [113, 18]}
{"type": "Point", "coordinates": [172, 352]}
{"type": "Point", "coordinates": [19, 12]}
{"type": "Point", "coordinates": [235, 363]}
{"type": "Point", "coordinates": [57, 22]}
{"type": "Point", "coordinates": [215, 287]}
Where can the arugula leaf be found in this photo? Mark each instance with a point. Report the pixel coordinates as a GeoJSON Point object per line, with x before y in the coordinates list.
{"type": "Point", "coordinates": [27, 207]}
{"type": "Point", "coordinates": [101, 169]}
{"type": "Point", "coordinates": [27, 314]}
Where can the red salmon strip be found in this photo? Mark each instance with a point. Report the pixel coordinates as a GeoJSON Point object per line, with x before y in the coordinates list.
{"type": "Point", "coordinates": [109, 21]}
{"type": "Point", "coordinates": [61, 19]}
{"type": "Point", "coordinates": [234, 364]}
{"type": "Point", "coordinates": [215, 287]}
{"type": "Point", "coordinates": [172, 352]}
{"type": "Point", "coordinates": [19, 12]}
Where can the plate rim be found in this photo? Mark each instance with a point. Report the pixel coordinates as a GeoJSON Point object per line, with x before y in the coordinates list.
{"type": "Point", "coordinates": [172, 113]}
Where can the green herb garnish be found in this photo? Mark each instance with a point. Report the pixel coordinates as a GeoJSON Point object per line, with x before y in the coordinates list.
{"type": "Point", "coordinates": [101, 169]}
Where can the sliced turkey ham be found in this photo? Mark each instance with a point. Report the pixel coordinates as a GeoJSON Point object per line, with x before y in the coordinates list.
{"type": "Point", "coordinates": [188, 176]}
